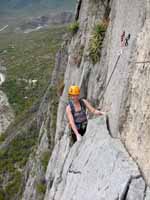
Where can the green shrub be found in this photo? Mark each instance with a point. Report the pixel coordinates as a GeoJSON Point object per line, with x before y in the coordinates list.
{"type": "Point", "coordinates": [73, 27]}
{"type": "Point", "coordinates": [12, 188]}
{"type": "Point", "coordinates": [17, 152]}
{"type": "Point", "coordinates": [2, 137]}
{"type": "Point", "coordinates": [13, 157]}
{"type": "Point", "coordinates": [96, 41]}
{"type": "Point", "coordinates": [2, 195]}
{"type": "Point", "coordinates": [41, 188]}
{"type": "Point", "coordinates": [44, 159]}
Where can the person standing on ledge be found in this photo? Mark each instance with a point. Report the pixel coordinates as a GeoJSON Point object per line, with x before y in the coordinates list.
{"type": "Point", "coordinates": [76, 113]}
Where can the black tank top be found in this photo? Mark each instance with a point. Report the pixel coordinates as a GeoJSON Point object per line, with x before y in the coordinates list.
{"type": "Point", "coordinates": [79, 116]}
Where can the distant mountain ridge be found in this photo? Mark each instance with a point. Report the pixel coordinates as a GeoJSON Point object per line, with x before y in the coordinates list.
{"type": "Point", "coordinates": [46, 20]}
{"type": "Point", "coordinates": [15, 5]}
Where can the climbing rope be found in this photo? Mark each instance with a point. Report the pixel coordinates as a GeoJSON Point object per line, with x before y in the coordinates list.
{"type": "Point", "coordinates": [124, 42]}
{"type": "Point", "coordinates": [115, 66]}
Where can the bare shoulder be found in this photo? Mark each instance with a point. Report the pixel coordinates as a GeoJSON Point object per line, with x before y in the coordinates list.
{"type": "Point", "coordinates": [68, 108]}
{"type": "Point", "coordinates": [85, 101]}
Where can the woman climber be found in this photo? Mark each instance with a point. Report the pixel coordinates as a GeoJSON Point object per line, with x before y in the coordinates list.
{"type": "Point", "coordinates": [76, 113]}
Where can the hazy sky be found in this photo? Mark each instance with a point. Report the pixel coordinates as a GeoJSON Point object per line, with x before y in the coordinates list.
{"type": "Point", "coordinates": [20, 4]}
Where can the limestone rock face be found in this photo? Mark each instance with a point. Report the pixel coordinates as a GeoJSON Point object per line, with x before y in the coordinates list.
{"type": "Point", "coordinates": [94, 78]}
{"type": "Point", "coordinates": [136, 127]}
{"type": "Point", "coordinates": [79, 69]}
{"type": "Point", "coordinates": [98, 167]}
{"type": "Point", "coordinates": [6, 112]}
{"type": "Point", "coordinates": [136, 189]}
{"type": "Point", "coordinates": [125, 93]}
{"type": "Point", "coordinates": [128, 17]}
{"type": "Point", "coordinates": [101, 167]}
{"type": "Point", "coordinates": [147, 197]}
{"type": "Point", "coordinates": [35, 184]}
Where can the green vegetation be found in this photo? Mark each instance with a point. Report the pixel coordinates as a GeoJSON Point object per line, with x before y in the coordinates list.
{"type": "Point", "coordinates": [2, 137]}
{"type": "Point", "coordinates": [18, 151]}
{"type": "Point", "coordinates": [73, 27]}
{"type": "Point", "coordinates": [14, 185]}
{"type": "Point", "coordinates": [2, 195]}
{"type": "Point", "coordinates": [28, 57]}
{"type": "Point", "coordinates": [41, 188]}
{"type": "Point", "coordinates": [95, 44]}
{"type": "Point", "coordinates": [44, 159]}
{"type": "Point", "coordinates": [13, 159]}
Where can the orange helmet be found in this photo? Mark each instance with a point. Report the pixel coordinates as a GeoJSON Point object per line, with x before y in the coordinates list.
{"type": "Point", "coordinates": [74, 90]}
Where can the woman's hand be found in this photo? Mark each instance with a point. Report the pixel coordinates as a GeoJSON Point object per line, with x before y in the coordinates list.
{"type": "Point", "coordinates": [79, 137]}
{"type": "Point", "coordinates": [97, 112]}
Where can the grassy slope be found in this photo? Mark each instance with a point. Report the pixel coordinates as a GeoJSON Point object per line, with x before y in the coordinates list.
{"type": "Point", "coordinates": [30, 56]}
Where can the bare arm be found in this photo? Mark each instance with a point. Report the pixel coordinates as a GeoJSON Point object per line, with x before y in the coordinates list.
{"type": "Point", "coordinates": [71, 120]}
{"type": "Point", "coordinates": [92, 109]}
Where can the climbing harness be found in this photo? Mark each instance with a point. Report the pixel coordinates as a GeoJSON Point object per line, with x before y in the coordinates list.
{"type": "Point", "coordinates": [124, 42]}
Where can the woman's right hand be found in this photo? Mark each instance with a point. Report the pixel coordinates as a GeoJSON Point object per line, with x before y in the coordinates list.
{"type": "Point", "coordinates": [79, 137]}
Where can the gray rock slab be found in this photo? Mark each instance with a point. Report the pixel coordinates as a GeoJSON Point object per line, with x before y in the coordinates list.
{"type": "Point", "coordinates": [96, 168]}
{"type": "Point", "coordinates": [147, 195]}
{"type": "Point", "coordinates": [55, 166]}
{"type": "Point", "coordinates": [136, 189]}
{"type": "Point", "coordinates": [6, 112]}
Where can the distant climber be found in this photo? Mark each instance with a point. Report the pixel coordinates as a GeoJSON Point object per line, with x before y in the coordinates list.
{"type": "Point", "coordinates": [127, 40]}
{"type": "Point", "coordinates": [122, 36]}
{"type": "Point", "coordinates": [124, 39]}
{"type": "Point", "coordinates": [76, 113]}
